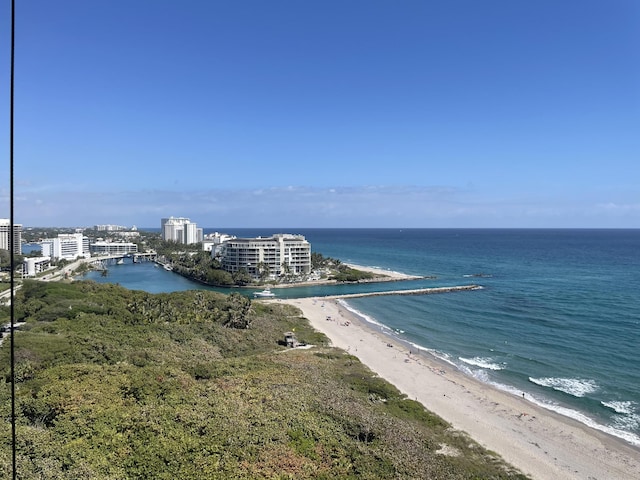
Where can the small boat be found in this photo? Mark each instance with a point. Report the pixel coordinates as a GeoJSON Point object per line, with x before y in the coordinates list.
{"type": "Point", "coordinates": [266, 293]}
{"type": "Point", "coordinates": [120, 262]}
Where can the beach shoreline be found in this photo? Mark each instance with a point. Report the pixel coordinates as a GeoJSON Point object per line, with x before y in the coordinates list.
{"type": "Point", "coordinates": [541, 443]}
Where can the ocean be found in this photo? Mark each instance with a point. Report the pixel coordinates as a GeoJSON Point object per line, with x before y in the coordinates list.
{"type": "Point", "coordinates": [558, 317]}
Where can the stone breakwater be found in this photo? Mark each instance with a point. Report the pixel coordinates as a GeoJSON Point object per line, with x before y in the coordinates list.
{"type": "Point", "coordinates": [418, 291]}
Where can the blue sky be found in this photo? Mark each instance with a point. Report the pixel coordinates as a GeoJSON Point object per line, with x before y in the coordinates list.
{"type": "Point", "coordinates": [358, 113]}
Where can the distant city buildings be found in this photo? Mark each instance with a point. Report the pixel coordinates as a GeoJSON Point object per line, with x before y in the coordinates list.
{"type": "Point", "coordinates": [276, 255]}
{"type": "Point", "coordinates": [109, 228]}
{"type": "Point", "coordinates": [131, 234]}
{"type": "Point", "coordinates": [180, 230]}
{"type": "Point", "coordinates": [5, 234]}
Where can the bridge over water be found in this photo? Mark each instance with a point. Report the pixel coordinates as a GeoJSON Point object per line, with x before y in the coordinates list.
{"type": "Point", "coordinates": [102, 260]}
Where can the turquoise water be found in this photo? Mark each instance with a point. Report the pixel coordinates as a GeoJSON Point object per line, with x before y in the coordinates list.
{"type": "Point", "coordinates": [558, 318]}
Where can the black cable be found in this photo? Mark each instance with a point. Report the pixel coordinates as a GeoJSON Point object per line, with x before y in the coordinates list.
{"type": "Point", "coordinates": [12, 247]}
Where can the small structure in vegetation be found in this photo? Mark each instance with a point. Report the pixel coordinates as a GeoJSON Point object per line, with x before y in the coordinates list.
{"type": "Point", "coordinates": [290, 340]}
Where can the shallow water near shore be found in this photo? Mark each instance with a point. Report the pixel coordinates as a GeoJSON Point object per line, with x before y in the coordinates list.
{"type": "Point", "coordinates": [558, 318]}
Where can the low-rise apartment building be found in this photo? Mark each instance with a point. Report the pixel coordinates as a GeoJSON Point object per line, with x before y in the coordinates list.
{"type": "Point", "coordinates": [113, 248]}
{"type": "Point", "coordinates": [31, 266]}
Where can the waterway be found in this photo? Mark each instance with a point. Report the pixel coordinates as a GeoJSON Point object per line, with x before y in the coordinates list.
{"type": "Point", "coordinates": [151, 277]}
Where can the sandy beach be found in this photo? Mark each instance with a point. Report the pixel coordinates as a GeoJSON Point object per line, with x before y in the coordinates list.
{"type": "Point", "coordinates": [383, 273]}
{"type": "Point", "coordinates": [539, 442]}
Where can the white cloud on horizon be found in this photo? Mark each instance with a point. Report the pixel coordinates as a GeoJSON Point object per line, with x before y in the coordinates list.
{"type": "Point", "coordinates": [298, 206]}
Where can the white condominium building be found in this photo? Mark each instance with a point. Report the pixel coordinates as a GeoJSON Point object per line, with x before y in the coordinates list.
{"type": "Point", "coordinates": [68, 246]}
{"type": "Point", "coordinates": [279, 254]}
{"type": "Point", "coordinates": [113, 248]}
{"type": "Point", "coordinates": [180, 229]}
{"type": "Point", "coordinates": [109, 228]}
{"type": "Point", "coordinates": [5, 234]}
{"type": "Point", "coordinates": [213, 242]}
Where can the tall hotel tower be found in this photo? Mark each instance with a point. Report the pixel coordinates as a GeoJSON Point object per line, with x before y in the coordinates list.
{"type": "Point", "coordinates": [181, 230]}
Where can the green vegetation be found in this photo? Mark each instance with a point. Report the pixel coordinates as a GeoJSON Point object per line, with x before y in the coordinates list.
{"type": "Point", "coordinates": [5, 260]}
{"type": "Point", "coordinates": [115, 384]}
{"type": "Point", "coordinates": [337, 270]}
{"type": "Point", "coordinates": [319, 261]}
{"type": "Point", "coordinates": [347, 274]}
{"type": "Point", "coordinates": [199, 266]}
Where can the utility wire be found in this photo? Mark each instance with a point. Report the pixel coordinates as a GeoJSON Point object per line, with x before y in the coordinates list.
{"type": "Point", "coordinates": [12, 247]}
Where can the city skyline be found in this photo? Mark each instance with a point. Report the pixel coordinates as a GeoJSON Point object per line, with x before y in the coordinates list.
{"type": "Point", "coordinates": [301, 115]}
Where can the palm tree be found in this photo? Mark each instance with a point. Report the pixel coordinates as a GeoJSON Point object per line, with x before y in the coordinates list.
{"type": "Point", "coordinates": [286, 268]}
{"type": "Point", "coordinates": [263, 270]}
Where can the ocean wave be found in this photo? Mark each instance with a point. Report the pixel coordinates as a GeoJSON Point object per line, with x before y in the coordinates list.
{"type": "Point", "coordinates": [619, 429]}
{"type": "Point", "coordinates": [445, 357]}
{"type": "Point", "coordinates": [363, 316]}
{"type": "Point", "coordinates": [627, 422]}
{"type": "Point", "coordinates": [622, 427]}
{"type": "Point", "coordinates": [620, 406]}
{"type": "Point", "coordinates": [478, 375]}
{"type": "Point", "coordinates": [573, 386]}
{"type": "Point", "coordinates": [483, 362]}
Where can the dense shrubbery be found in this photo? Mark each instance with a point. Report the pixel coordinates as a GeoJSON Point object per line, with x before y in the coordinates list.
{"type": "Point", "coordinates": [339, 271]}
{"type": "Point", "coordinates": [199, 266]}
{"type": "Point", "coordinates": [114, 383]}
{"type": "Point", "coordinates": [347, 274]}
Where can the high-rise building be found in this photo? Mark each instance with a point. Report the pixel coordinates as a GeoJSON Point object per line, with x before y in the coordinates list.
{"type": "Point", "coordinates": [180, 229]}
{"type": "Point", "coordinates": [5, 234]}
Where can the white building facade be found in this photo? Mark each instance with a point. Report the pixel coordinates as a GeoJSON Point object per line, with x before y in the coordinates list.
{"type": "Point", "coordinates": [109, 228]}
{"type": "Point", "coordinates": [279, 254]}
{"type": "Point", "coordinates": [213, 243]}
{"type": "Point", "coordinates": [180, 229]}
{"type": "Point", "coordinates": [67, 246]}
{"type": "Point", "coordinates": [5, 235]}
{"type": "Point", "coordinates": [113, 248]}
{"type": "Point", "coordinates": [31, 266]}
